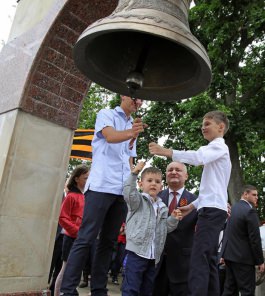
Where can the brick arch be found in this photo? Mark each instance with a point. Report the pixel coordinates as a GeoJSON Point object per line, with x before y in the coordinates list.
{"type": "Point", "coordinates": [55, 88]}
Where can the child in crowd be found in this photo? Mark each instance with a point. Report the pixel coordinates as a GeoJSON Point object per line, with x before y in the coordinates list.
{"type": "Point", "coordinates": [147, 225]}
{"type": "Point", "coordinates": [211, 203]}
{"type": "Point", "coordinates": [71, 215]}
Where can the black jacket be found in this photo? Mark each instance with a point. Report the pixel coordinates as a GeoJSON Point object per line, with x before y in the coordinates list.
{"type": "Point", "coordinates": [242, 242]}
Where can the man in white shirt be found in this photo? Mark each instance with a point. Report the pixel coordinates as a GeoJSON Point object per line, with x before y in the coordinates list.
{"type": "Point", "coordinates": [211, 203]}
{"type": "Point", "coordinates": [105, 209]}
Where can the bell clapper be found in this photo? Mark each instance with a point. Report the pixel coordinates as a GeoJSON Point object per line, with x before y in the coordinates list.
{"type": "Point", "coordinates": [135, 79]}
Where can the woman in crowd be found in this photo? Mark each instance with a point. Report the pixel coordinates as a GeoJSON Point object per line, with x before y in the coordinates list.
{"type": "Point", "coordinates": [71, 215]}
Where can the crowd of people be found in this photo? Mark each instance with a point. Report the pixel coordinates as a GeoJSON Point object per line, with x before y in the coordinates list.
{"type": "Point", "coordinates": [166, 241]}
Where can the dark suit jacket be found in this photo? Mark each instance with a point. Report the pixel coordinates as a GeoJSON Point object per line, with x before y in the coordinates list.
{"type": "Point", "coordinates": [242, 242]}
{"type": "Point", "coordinates": [179, 242]}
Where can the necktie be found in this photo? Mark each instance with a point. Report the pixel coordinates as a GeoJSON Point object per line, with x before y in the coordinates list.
{"type": "Point", "coordinates": [173, 203]}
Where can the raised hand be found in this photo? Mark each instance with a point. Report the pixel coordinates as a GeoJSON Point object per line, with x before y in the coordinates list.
{"type": "Point", "coordinates": [156, 149]}
{"type": "Point", "coordinates": [186, 209]}
{"type": "Point", "coordinates": [177, 214]}
{"type": "Point", "coordinates": [139, 166]}
{"type": "Point", "coordinates": [137, 127]}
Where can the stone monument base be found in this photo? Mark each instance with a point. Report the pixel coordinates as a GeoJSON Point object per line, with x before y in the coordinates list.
{"type": "Point", "coordinates": [32, 293]}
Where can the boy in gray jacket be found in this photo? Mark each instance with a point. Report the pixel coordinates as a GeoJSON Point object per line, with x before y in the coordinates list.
{"type": "Point", "coordinates": [147, 225]}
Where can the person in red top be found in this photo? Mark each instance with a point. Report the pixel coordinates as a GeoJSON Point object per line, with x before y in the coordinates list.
{"type": "Point", "coordinates": [71, 215]}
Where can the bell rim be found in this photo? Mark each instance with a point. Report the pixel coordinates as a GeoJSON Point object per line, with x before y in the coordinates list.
{"type": "Point", "coordinates": [144, 93]}
{"type": "Point", "coordinates": [105, 28]}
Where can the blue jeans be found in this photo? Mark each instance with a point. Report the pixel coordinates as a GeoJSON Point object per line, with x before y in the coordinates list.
{"type": "Point", "coordinates": [104, 214]}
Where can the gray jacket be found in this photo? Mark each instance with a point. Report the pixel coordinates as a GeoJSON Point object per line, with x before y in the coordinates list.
{"type": "Point", "coordinates": [142, 224]}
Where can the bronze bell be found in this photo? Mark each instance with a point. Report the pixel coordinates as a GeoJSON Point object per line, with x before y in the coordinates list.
{"type": "Point", "coordinates": [145, 49]}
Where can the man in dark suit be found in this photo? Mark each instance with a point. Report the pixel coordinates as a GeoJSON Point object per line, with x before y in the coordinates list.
{"type": "Point", "coordinates": [172, 271]}
{"type": "Point", "coordinates": [242, 248]}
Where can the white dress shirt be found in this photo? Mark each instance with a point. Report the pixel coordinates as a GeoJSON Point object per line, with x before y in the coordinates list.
{"type": "Point", "coordinates": [216, 172]}
{"type": "Point", "coordinates": [171, 195]}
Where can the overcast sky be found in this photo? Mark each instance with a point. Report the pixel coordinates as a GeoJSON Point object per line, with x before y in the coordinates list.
{"type": "Point", "coordinates": [7, 12]}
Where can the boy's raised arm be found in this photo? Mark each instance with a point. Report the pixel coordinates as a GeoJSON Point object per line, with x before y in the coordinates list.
{"type": "Point", "coordinates": [138, 168]}
{"type": "Point", "coordinates": [131, 195]}
{"type": "Point", "coordinates": [156, 149]}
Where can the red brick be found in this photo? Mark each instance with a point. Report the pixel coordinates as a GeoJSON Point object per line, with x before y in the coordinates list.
{"type": "Point", "coordinates": [45, 97]}
{"type": "Point", "coordinates": [71, 95]}
{"type": "Point", "coordinates": [67, 34]}
{"type": "Point", "coordinates": [72, 21]}
{"type": "Point", "coordinates": [45, 82]}
{"type": "Point", "coordinates": [52, 71]}
{"type": "Point", "coordinates": [70, 107]}
{"type": "Point", "coordinates": [76, 83]}
{"type": "Point", "coordinates": [61, 46]}
{"type": "Point", "coordinates": [54, 57]}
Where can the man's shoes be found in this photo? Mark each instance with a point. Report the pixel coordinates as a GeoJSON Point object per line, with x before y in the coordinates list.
{"type": "Point", "coordinates": [115, 281]}
{"type": "Point", "coordinates": [83, 284]}
{"type": "Point", "coordinates": [89, 294]}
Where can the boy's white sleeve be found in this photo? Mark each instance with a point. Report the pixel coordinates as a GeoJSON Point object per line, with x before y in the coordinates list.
{"type": "Point", "coordinates": [202, 156]}
{"type": "Point", "coordinates": [190, 156]}
{"type": "Point", "coordinates": [196, 203]}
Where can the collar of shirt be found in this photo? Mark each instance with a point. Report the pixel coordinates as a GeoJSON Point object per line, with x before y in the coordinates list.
{"type": "Point", "coordinates": [216, 140]}
{"type": "Point", "coordinates": [179, 191]}
{"type": "Point", "coordinates": [157, 204]}
{"type": "Point", "coordinates": [157, 201]}
{"type": "Point", "coordinates": [121, 111]}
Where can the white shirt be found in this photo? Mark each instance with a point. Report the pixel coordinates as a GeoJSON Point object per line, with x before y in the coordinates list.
{"type": "Point", "coordinates": [262, 235]}
{"type": "Point", "coordinates": [216, 172]}
{"type": "Point", "coordinates": [171, 195]}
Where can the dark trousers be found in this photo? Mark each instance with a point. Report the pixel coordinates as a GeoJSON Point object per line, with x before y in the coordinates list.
{"type": "Point", "coordinates": [116, 263]}
{"type": "Point", "coordinates": [139, 276]}
{"type": "Point", "coordinates": [89, 260]}
{"type": "Point", "coordinates": [163, 286]}
{"type": "Point", "coordinates": [221, 272]}
{"type": "Point", "coordinates": [104, 214]}
{"type": "Point", "coordinates": [56, 263]}
{"type": "Point", "coordinates": [239, 278]}
{"type": "Point", "coordinates": [203, 274]}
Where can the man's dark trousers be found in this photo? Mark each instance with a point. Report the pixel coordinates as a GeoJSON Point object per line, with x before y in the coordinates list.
{"type": "Point", "coordinates": [203, 276]}
{"type": "Point", "coordinates": [104, 213]}
{"type": "Point", "coordinates": [244, 280]}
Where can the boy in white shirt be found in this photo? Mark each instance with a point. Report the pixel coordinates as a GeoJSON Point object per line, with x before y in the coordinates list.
{"type": "Point", "coordinates": [211, 203]}
{"type": "Point", "coordinates": [147, 225]}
